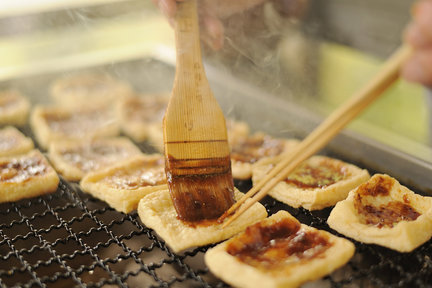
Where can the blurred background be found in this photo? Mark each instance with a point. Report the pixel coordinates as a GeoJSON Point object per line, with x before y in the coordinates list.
{"type": "Point", "coordinates": [311, 53]}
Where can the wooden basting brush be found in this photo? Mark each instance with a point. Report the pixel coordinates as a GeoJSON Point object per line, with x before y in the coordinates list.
{"type": "Point", "coordinates": [197, 160]}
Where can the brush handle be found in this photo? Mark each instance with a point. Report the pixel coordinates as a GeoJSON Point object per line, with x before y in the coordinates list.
{"type": "Point", "coordinates": [197, 161]}
{"type": "Point", "coordinates": [188, 48]}
{"type": "Point", "coordinates": [196, 123]}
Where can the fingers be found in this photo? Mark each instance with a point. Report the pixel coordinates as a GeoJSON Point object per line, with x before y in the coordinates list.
{"type": "Point", "coordinates": [167, 7]}
{"type": "Point", "coordinates": [419, 67]}
{"type": "Point", "coordinates": [213, 34]}
{"type": "Point", "coordinates": [211, 12]}
{"type": "Point", "coordinates": [419, 36]}
{"type": "Point", "coordinates": [226, 8]}
{"type": "Point", "coordinates": [212, 30]}
{"type": "Point", "coordinates": [419, 32]}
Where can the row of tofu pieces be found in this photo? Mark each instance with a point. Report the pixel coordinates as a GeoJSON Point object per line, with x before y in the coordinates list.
{"type": "Point", "coordinates": [275, 251]}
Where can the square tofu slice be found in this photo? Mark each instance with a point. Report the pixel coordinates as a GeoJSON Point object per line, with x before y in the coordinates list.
{"type": "Point", "coordinates": [13, 142]}
{"type": "Point", "coordinates": [58, 123]}
{"type": "Point", "coordinates": [87, 88]}
{"type": "Point", "coordinates": [157, 211]}
{"type": "Point", "coordinates": [26, 176]}
{"type": "Point", "coordinates": [382, 211]}
{"type": "Point", "coordinates": [124, 184]}
{"type": "Point", "coordinates": [74, 159]}
{"type": "Point", "coordinates": [246, 151]}
{"type": "Point", "coordinates": [14, 108]}
{"type": "Point", "coordinates": [317, 183]}
{"type": "Point", "coordinates": [138, 113]}
{"type": "Point", "coordinates": [278, 252]}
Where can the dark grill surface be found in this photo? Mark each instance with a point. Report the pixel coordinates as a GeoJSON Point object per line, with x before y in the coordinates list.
{"type": "Point", "coordinates": [70, 239]}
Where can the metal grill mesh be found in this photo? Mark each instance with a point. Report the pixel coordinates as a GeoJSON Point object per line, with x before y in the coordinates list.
{"type": "Point", "coordinates": [69, 239]}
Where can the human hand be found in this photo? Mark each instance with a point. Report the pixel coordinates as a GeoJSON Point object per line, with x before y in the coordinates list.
{"type": "Point", "coordinates": [419, 36]}
{"type": "Point", "coordinates": [211, 13]}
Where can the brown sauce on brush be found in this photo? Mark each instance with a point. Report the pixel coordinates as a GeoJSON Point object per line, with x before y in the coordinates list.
{"type": "Point", "coordinates": [201, 189]}
{"type": "Point", "coordinates": [320, 176]}
{"type": "Point", "coordinates": [21, 170]}
{"type": "Point", "coordinates": [278, 245]}
{"type": "Point", "coordinates": [253, 148]}
{"type": "Point", "coordinates": [384, 215]}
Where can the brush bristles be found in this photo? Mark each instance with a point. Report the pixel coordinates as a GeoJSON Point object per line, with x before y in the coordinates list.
{"type": "Point", "coordinates": [200, 190]}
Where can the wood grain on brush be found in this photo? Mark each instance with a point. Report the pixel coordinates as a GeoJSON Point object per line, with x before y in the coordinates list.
{"type": "Point", "coordinates": [197, 158]}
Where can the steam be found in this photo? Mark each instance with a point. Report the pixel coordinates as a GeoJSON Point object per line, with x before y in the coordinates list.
{"type": "Point", "coordinates": [268, 50]}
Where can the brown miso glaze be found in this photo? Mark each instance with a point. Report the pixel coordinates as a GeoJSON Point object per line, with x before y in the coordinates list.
{"type": "Point", "coordinates": [387, 215]}
{"type": "Point", "coordinates": [380, 187]}
{"type": "Point", "coordinates": [320, 176]}
{"type": "Point", "coordinates": [200, 189]}
{"type": "Point", "coordinates": [21, 170]}
{"type": "Point", "coordinates": [384, 215]}
{"type": "Point", "coordinates": [253, 148]}
{"type": "Point", "coordinates": [278, 245]}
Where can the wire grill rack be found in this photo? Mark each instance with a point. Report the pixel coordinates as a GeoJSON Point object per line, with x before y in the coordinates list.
{"type": "Point", "coordinates": [69, 239]}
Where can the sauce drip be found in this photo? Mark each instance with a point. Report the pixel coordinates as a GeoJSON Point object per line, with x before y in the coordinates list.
{"type": "Point", "coordinates": [278, 245]}
{"type": "Point", "coordinates": [252, 149]}
{"type": "Point", "coordinates": [200, 189]}
{"type": "Point", "coordinates": [21, 170]}
{"type": "Point", "coordinates": [384, 215]}
{"type": "Point", "coordinates": [320, 176]}
{"type": "Point", "coordinates": [200, 223]}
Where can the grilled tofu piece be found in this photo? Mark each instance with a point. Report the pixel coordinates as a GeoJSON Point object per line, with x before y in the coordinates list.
{"type": "Point", "coordinates": [317, 183]}
{"type": "Point", "coordinates": [382, 211]}
{"type": "Point", "coordinates": [26, 176]}
{"type": "Point", "coordinates": [74, 159]}
{"type": "Point", "coordinates": [157, 211]}
{"type": "Point", "coordinates": [124, 184]}
{"type": "Point", "coordinates": [278, 251]}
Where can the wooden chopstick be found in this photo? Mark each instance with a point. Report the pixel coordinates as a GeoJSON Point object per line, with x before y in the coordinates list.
{"type": "Point", "coordinates": [328, 129]}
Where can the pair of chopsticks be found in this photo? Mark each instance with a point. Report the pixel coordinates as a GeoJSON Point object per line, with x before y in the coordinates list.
{"type": "Point", "coordinates": [328, 129]}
